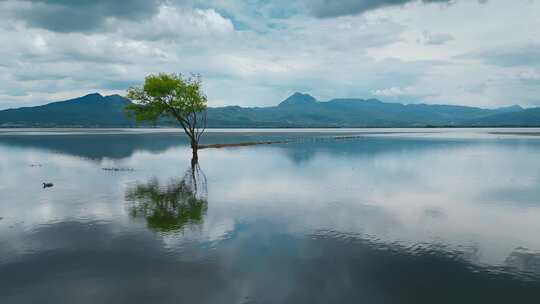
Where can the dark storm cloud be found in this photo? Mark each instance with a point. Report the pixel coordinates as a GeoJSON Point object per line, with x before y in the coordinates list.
{"type": "Point", "coordinates": [82, 15]}
{"type": "Point", "coordinates": [332, 8]}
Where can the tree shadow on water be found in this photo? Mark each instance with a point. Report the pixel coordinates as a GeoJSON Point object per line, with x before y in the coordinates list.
{"type": "Point", "coordinates": [171, 206]}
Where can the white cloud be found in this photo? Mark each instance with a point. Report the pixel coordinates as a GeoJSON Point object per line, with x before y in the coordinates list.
{"type": "Point", "coordinates": [253, 53]}
{"type": "Point", "coordinates": [393, 92]}
{"type": "Point", "coordinates": [435, 38]}
{"type": "Point", "coordinates": [176, 23]}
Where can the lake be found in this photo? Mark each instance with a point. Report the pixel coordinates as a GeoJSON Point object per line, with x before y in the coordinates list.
{"type": "Point", "coordinates": [328, 216]}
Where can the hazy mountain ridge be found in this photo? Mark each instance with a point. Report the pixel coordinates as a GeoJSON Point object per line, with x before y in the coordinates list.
{"type": "Point", "coordinates": [298, 110]}
{"type": "Point", "coordinates": [90, 110]}
{"type": "Point", "coordinates": [527, 117]}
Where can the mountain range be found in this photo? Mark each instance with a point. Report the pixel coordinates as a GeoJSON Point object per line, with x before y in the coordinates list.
{"type": "Point", "coordinates": [298, 110]}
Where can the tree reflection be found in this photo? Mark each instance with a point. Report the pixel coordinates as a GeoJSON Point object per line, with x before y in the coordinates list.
{"type": "Point", "coordinates": [171, 206]}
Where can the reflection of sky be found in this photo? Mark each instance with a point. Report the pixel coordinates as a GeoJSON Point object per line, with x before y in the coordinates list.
{"type": "Point", "coordinates": [479, 197]}
{"type": "Point", "coordinates": [391, 195]}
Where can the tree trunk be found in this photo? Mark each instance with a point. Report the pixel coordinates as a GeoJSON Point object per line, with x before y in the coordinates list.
{"type": "Point", "coordinates": [194, 149]}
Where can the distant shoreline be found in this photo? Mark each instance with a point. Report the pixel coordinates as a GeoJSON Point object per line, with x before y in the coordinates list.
{"type": "Point", "coordinates": [287, 127]}
{"type": "Point", "coordinates": [339, 133]}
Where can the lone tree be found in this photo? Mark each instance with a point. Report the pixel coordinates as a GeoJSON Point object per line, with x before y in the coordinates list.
{"type": "Point", "coordinates": [171, 95]}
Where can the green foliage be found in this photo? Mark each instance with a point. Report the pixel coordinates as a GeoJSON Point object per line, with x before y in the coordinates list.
{"type": "Point", "coordinates": [171, 95]}
{"type": "Point", "coordinates": [167, 95]}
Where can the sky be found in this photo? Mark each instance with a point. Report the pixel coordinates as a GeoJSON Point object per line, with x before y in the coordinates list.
{"type": "Point", "coordinates": [483, 53]}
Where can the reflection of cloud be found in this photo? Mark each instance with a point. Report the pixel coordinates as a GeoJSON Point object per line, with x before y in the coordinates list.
{"type": "Point", "coordinates": [212, 229]}
{"type": "Point", "coordinates": [524, 261]}
{"type": "Point", "coordinates": [363, 147]}
{"type": "Point", "coordinates": [393, 189]}
{"type": "Point", "coordinates": [88, 263]}
{"type": "Point", "coordinates": [399, 177]}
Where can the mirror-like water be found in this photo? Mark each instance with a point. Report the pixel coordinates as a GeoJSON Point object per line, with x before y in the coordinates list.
{"type": "Point", "coordinates": [374, 216]}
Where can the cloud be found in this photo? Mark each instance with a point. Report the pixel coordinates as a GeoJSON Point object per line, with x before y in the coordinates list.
{"type": "Point", "coordinates": [67, 16]}
{"type": "Point", "coordinates": [393, 92]}
{"type": "Point", "coordinates": [172, 23]}
{"type": "Point", "coordinates": [255, 53]}
{"type": "Point", "coordinates": [509, 56]}
{"type": "Point", "coordinates": [328, 8]}
{"type": "Point", "coordinates": [429, 38]}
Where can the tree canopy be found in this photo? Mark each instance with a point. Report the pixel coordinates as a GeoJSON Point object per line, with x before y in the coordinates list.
{"type": "Point", "coordinates": [171, 95]}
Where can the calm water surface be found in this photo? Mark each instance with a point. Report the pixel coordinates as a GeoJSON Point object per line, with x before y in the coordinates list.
{"type": "Point", "coordinates": [374, 216]}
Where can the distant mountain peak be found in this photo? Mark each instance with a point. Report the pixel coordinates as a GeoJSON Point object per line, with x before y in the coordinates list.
{"type": "Point", "coordinates": [98, 98]}
{"type": "Point", "coordinates": [115, 95]}
{"type": "Point", "coordinates": [298, 99]}
{"type": "Point", "coordinates": [92, 95]}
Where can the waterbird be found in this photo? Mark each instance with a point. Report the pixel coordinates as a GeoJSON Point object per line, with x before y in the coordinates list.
{"type": "Point", "coordinates": [47, 185]}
